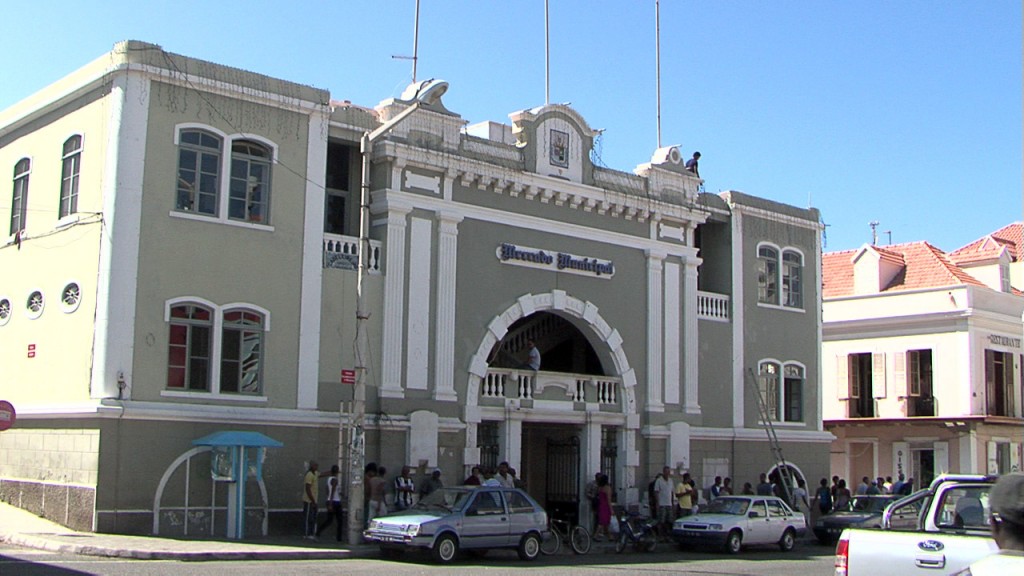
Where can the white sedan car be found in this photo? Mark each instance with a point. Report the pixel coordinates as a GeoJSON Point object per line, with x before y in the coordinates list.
{"type": "Point", "coordinates": [736, 521]}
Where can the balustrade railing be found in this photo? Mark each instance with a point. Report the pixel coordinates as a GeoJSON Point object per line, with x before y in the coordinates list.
{"type": "Point", "coordinates": [526, 385]}
{"type": "Point", "coordinates": [712, 306]}
{"type": "Point", "coordinates": [342, 252]}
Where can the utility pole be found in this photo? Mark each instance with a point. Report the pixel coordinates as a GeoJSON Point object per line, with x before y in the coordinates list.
{"type": "Point", "coordinates": [426, 93]}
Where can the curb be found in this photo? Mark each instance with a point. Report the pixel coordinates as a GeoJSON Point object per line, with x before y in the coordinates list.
{"type": "Point", "coordinates": [42, 543]}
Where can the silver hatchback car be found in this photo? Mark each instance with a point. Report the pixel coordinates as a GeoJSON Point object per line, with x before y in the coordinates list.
{"type": "Point", "coordinates": [464, 518]}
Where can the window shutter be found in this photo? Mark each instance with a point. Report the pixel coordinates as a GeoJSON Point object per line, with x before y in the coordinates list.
{"type": "Point", "coordinates": [899, 374]}
{"type": "Point", "coordinates": [878, 375]}
{"type": "Point", "coordinates": [843, 376]}
{"type": "Point", "coordinates": [1014, 456]}
{"type": "Point", "coordinates": [992, 458]}
{"type": "Point", "coordinates": [941, 451]}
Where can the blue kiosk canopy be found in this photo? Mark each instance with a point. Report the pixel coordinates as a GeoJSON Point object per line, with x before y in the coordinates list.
{"type": "Point", "coordinates": [238, 438]}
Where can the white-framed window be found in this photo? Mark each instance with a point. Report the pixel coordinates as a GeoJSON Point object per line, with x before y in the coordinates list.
{"type": "Point", "coordinates": [782, 386]}
{"type": "Point", "coordinates": [223, 177]}
{"type": "Point", "coordinates": [71, 297]}
{"type": "Point", "coordinates": [19, 199]}
{"type": "Point", "coordinates": [71, 166]}
{"type": "Point", "coordinates": [780, 277]}
{"type": "Point", "coordinates": [792, 279]}
{"type": "Point", "coordinates": [34, 304]}
{"type": "Point", "coordinates": [199, 159]}
{"type": "Point", "coordinates": [249, 198]}
{"type": "Point", "coordinates": [767, 274]}
{"type": "Point", "coordinates": [215, 350]}
{"type": "Point", "coordinates": [5, 311]}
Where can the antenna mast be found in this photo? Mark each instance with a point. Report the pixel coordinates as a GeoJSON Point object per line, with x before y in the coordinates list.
{"type": "Point", "coordinates": [874, 232]}
{"type": "Point", "coordinates": [547, 56]}
{"type": "Point", "coordinates": [657, 60]}
{"type": "Point", "coordinates": [415, 43]}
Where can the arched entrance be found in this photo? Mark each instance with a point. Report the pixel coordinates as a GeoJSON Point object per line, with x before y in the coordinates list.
{"type": "Point", "coordinates": [592, 395]}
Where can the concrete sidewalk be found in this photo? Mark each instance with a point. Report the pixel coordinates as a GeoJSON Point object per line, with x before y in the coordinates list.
{"type": "Point", "coordinates": [22, 528]}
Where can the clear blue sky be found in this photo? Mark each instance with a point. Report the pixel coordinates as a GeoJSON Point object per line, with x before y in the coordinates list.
{"type": "Point", "coordinates": [905, 112]}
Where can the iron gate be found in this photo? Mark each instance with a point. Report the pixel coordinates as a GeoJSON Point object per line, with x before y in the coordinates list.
{"type": "Point", "coordinates": [563, 478]}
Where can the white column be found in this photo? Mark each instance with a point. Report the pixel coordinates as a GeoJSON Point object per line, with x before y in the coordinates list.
{"type": "Point", "coordinates": [308, 377]}
{"type": "Point", "coordinates": [117, 285]}
{"type": "Point", "coordinates": [672, 335]}
{"type": "Point", "coordinates": [655, 316]}
{"type": "Point", "coordinates": [690, 349]}
{"type": "Point", "coordinates": [444, 338]}
{"type": "Point", "coordinates": [417, 344]}
{"type": "Point", "coordinates": [394, 303]}
{"type": "Point", "coordinates": [512, 439]}
{"type": "Point", "coordinates": [736, 314]}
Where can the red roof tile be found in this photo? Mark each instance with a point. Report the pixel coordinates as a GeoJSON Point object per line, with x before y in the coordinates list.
{"type": "Point", "coordinates": [924, 266]}
{"type": "Point", "coordinates": [1010, 237]}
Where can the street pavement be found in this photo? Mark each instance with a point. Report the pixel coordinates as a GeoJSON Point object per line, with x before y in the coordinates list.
{"type": "Point", "coordinates": [21, 528]}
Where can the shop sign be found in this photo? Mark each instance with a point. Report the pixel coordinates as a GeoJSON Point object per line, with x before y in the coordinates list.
{"type": "Point", "coordinates": [998, 340]}
{"type": "Point", "coordinates": [7, 415]}
{"type": "Point", "coordinates": [554, 261]}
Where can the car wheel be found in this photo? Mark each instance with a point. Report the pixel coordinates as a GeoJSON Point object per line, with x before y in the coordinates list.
{"type": "Point", "coordinates": [529, 547]}
{"type": "Point", "coordinates": [446, 548]}
{"type": "Point", "coordinates": [733, 542]}
{"type": "Point", "coordinates": [787, 541]}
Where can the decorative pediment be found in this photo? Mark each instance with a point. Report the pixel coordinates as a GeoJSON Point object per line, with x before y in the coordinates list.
{"type": "Point", "coordinates": [556, 142]}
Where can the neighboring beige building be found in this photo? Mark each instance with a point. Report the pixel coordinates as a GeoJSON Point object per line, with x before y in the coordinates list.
{"type": "Point", "coordinates": [922, 358]}
{"type": "Point", "coordinates": [181, 263]}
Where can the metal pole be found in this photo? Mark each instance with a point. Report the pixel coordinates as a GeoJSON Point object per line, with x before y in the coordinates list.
{"type": "Point", "coordinates": [416, 42]}
{"type": "Point", "coordinates": [657, 60]}
{"type": "Point", "coordinates": [547, 57]}
{"type": "Point", "coordinates": [357, 422]}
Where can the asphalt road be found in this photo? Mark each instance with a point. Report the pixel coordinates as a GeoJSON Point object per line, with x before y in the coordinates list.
{"type": "Point", "coordinates": [806, 560]}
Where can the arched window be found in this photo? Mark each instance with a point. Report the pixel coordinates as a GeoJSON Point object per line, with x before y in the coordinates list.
{"type": "Point", "coordinates": [249, 198]}
{"type": "Point", "coordinates": [241, 352]}
{"type": "Point", "coordinates": [189, 346]}
{"type": "Point", "coordinates": [71, 165]}
{"type": "Point", "coordinates": [781, 386]}
{"type": "Point", "coordinates": [199, 157]}
{"type": "Point", "coordinates": [767, 275]}
{"type": "Point", "coordinates": [19, 200]}
{"type": "Point", "coordinates": [792, 279]}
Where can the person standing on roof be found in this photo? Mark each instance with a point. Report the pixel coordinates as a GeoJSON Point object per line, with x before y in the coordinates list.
{"type": "Point", "coordinates": [691, 164]}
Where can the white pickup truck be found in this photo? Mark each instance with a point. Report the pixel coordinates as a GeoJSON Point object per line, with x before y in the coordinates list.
{"type": "Point", "coordinates": [937, 531]}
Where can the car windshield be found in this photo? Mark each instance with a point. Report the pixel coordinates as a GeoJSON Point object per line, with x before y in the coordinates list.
{"type": "Point", "coordinates": [445, 498]}
{"type": "Point", "coordinates": [734, 506]}
{"type": "Point", "coordinates": [870, 504]}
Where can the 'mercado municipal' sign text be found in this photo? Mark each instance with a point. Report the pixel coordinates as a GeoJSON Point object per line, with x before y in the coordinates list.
{"type": "Point", "coordinates": [555, 261]}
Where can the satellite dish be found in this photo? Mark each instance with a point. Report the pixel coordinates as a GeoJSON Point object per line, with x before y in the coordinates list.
{"type": "Point", "coordinates": [427, 91]}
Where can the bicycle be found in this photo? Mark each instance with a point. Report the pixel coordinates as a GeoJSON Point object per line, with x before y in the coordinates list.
{"type": "Point", "coordinates": [558, 530]}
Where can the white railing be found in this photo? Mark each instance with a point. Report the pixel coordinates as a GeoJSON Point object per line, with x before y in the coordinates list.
{"type": "Point", "coordinates": [712, 306]}
{"type": "Point", "coordinates": [342, 252]}
{"type": "Point", "coordinates": [526, 385]}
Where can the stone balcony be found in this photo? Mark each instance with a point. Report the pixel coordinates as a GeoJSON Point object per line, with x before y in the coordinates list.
{"type": "Point", "coordinates": [342, 253]}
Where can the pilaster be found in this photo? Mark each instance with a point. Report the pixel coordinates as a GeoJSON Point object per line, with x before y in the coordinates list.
{"type": "Point", "coordinates": [394, 302]}
{"type": "Point", "coordinates": [655, 314]}
{"type": "Point", "coordinates": [444, 324]}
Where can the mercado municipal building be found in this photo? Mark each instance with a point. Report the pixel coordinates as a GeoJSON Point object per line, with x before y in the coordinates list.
{"type": "Point", "coordinates": [183, 262]}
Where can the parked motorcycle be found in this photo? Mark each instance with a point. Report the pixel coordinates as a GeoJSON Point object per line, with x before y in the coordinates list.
{"type": "Point", "coordinates": [637, 530]}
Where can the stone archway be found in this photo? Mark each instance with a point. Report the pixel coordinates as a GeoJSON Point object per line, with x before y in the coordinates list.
{"type": "Point", "coordinates": [607, 340]}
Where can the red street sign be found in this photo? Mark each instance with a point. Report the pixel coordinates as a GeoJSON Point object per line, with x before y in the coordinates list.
{"type": "Point", "coordinates": [7, 415]}
{"type": "Point", "coordinates": [348, 376]}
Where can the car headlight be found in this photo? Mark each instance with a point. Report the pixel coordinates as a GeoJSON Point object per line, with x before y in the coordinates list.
{"type": "Point", "coordinates": [412, 529]}
{"type": "Point", "coordinates": [374, 525]}
{"type": "Point", "coordinates": [715, 527]}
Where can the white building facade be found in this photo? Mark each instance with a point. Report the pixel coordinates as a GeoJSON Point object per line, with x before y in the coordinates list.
{"type": "Point", "coordinates": [922, 362]}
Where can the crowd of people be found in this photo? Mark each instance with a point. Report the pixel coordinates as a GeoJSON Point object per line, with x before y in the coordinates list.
{"type": "Point", "coordinates": [838, 496]}
{"type": "Point", "coordinates": [382, 495]}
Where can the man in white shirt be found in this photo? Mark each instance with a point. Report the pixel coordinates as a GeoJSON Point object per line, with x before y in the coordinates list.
{"type": "Point", "coordinates": [503, 477]}
{"type": "Point", "coordinates": [665, 495]}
